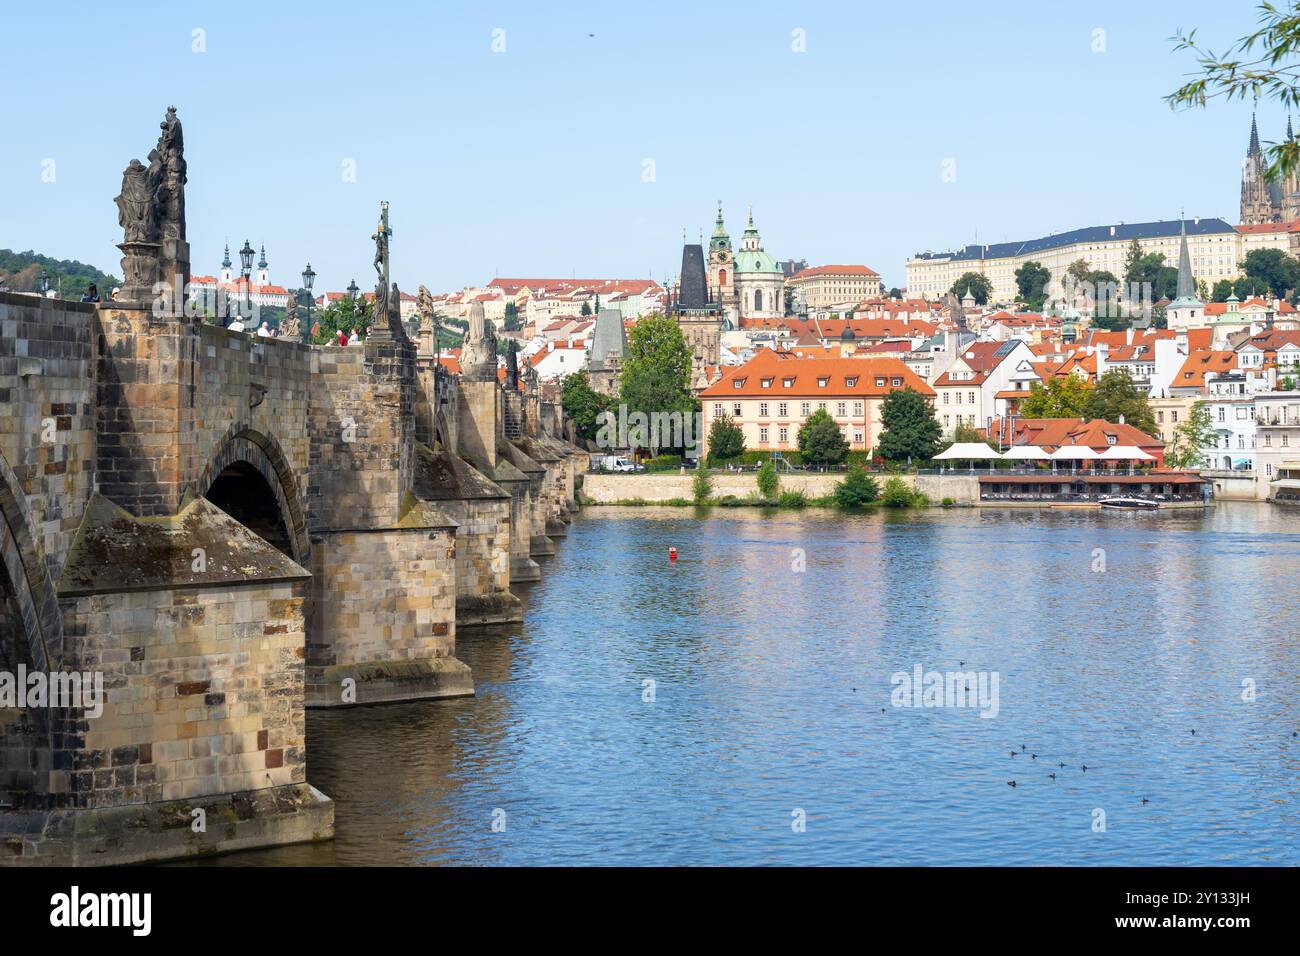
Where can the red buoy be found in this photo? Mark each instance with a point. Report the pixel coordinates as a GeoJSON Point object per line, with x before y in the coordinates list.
{"type": "Point", "coordinates": [672, 554]}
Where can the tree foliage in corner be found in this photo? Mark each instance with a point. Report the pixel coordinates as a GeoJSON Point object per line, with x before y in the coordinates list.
{"type": "Point", "coordinates": [856, 490]}
{"type": "Point", "coordinates": [821, 443]}
{"type": "Point", "coordinates": [1263, 64]}
{"type": "Point", "coordinates": [910, 428]}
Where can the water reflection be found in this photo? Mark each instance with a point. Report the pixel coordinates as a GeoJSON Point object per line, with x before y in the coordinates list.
{"type": "Point", "coordinates": [772, 694]}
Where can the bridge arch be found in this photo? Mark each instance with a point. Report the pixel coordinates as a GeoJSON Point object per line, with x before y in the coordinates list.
{"type": "Point", "coordinates": [246, 466]}
{"type": "Point", "coordinates": [27, 595]}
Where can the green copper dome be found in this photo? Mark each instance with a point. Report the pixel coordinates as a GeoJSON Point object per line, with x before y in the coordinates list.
{"type": "Point", "coordinates": [751, 257]}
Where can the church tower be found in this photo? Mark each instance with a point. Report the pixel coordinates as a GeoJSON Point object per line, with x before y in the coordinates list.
{"type": "Point", "coordinates": [722, 272]}
{"type": "Point", "coordinates": [760, 283]}
{"type": "Point", "coordinates": [227, 270]}
{"type": "Point", "coordinates": [1256, 198]}
{"type": "Point", "coordinates": [263, 274]}
{"type": "Point", "coordinates": [1186, 311]}
{"type": "Point", "coordinates": [1290, 185]}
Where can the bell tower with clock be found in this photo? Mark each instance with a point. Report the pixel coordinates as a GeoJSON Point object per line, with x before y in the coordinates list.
{"type": "Point", "coordinates": [722, 267]}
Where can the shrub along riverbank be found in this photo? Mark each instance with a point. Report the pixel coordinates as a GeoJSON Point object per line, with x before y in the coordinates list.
{"type": "Point", "coordinates": [856, 491]}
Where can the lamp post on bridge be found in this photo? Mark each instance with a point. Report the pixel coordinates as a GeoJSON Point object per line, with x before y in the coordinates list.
{"type": "Point", "coordinates": [246, 271]}
{"type": "Point", "coordinates": [308, 277]}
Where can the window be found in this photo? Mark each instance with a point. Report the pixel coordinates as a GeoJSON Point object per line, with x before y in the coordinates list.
{"type": "Point", "coordinates": [821, 406]}
{"type": "Point", "coordinates": [782, 409]}
{"type": "Point", "coordinates": [739, 383]}
{"type": "Point", "coordinates": [736, 409]}
{"type": "Point", "coordinates": [840, 408]}
{"type": "Point", "coordinates": [717, 408]}
{"type": "Point", "coordinates": [1110, 439]}
{"type": "Point", "coordinates": [762, 409]}
{"type": "Point", "coordinates": [851, 382]}
{"type": "Point", "coordinates": [945, 398]}
{"type": "Point", "coordinates": [762, 435]}
{"type": "Point", "coordinates": [823, 382]}
{"type": "Point", "coordinates": [970, 397]}
{"type": "Point", "coordinates": [880, 381]}
{"type": "Point", "coordinates": [1160, 417]}
{"type": "Point", "coordinates": [896, 381]}
{"type": "Point", "coordinates": [766, 383]}
{"type": "Point", "coordinates": [959, 398]}
{"type": "Point", "coordinates": [1173, 417]}
{"type": "Point", "coordinates": [857, 437]}
{"type": "Point", "coordinates": [857, 408]}
{"type": "Point", "coordinates": [787, 382]}
{"type": "Point", "coordinates": [803, 409]}
{"type": "Point", "coordinates": [784, 434]}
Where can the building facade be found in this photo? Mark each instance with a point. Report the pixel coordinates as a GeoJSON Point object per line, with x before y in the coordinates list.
{"type": "Point", "coordinates": [825, 286]}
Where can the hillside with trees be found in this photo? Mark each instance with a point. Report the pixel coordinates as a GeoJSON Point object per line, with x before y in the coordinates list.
{"type": "Point", "coordinates": [21, 272]}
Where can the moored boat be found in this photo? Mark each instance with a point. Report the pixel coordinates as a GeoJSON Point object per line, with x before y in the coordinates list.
{"type": "Point", "coordinates": [1123, 501]}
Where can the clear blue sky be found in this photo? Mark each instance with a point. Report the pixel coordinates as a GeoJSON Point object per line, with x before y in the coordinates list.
{"type": "Point", "coordinates": [529, 162]}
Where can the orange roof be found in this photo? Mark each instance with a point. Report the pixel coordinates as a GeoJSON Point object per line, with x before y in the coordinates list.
{"type": "Point", "coordinates": [981, 358]}
{"type": "Point", "coordinates": [814, 377]}
{"type": "Point", "coordinates": [833, 271]}
{"type": "Point", "coordinates": [1052, 433]}
{"type": "Point", "coordinates": [1192, 374]}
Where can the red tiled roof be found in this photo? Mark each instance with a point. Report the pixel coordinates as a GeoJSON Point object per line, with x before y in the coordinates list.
{"type": "Point", "coordinates": [834, 271]}
{"type": "Point", "coordinates": [805, 374]}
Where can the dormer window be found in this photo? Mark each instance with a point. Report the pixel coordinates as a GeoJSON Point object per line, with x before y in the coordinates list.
{"type": "Point", "coordinates": [823, 382]}
{"type": "Point", "coordinates": [851, 382]}
{"type": "Point", "coordinates": [895, 381]}
{"type": "Point", "coordinates": [767, 383]}
{"type": "Point", "coordinates": [740, 383]}
{"type": "Point", "coordinates": [787, 383]}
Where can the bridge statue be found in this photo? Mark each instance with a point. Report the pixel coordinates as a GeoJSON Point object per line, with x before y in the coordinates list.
{"type": "Point", "coordinates": [478, 357]}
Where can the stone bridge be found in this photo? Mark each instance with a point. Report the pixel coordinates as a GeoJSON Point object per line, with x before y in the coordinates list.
{"type": "Point", "coordinates": [226, 530]}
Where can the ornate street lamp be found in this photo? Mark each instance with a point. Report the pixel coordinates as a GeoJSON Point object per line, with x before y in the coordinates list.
{"type": "Point", "coordinates": [246, 270]}
{"type": "Point", "coordinates": [353, 291]}
{"type": "Point", "coordinates": [45, 283]}
{"type": "Point", "coordinates": [308, 277]}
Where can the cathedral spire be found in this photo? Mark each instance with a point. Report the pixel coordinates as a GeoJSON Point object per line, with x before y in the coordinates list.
{"type": "Point", "coordinates": [1254, 149]}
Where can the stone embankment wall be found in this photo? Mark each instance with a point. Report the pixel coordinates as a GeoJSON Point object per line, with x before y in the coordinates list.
{"type": "Point", "coordinates": [610, 488]}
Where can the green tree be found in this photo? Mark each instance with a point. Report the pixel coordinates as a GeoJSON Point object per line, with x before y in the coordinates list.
{"type": "Point", "coordinates": [1222, 290]}
{"type": "Point", "coordinates": [511, 322]}
{"type": "Point", "coordinates": [821, 443]}
{"type": "Point", "coordinates": [856, 490]}
{"type": "Point", "coordinates": [977, 284]}
{"type": "Point", "coordinates": [1132, 261]}
{"type": "Point", "coordinates": [895, 293]}
{"type": "Point", "coordinates": [657, 371]}
{"type": "Point", "coordinates": [1247, 286]}
{"type": "Point", "coordinates": [586, 308]}
{"type": "Point", "coordinates": [1116, 397]}
{"type": "Point", "coordinates": [1260, 65]}
{"type": "Point", "coordinates": [1060, 398]}
{"type": "Point", "coordinates": [910, 428]}
{"type": "Point", "coordinates": [701, 484]}
{"type": "Point", "coordinates": [1031, 284]}
{"type": "Point", "coordinates": [582, 403]}
{"type": "Point", "coordinates": [899, 494]}
{"type": "Point", "coordinates": [342, 314]}
{"type": "Point", "coordinates": [1274, 268]}
{"type": "Point", "coordinates": [769, 485]}
{"type": "Point", "coordinates": [1191, 438]}
{"type": "Point", "coordinates": [726, 440]}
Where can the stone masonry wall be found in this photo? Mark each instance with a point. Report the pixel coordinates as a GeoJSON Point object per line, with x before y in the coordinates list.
{"type": "Point", "coordinates": [383, 596]}
{"type": "Point", "coordinates": [47, 414]}
{"type": "Point", "coordinates": [204, 693]}
{"type": "Point", "coordinates": [482, 544]}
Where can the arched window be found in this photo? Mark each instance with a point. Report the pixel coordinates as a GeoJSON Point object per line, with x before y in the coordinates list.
{"type": "Point", "coordinates": [758, 300]}
{"type": "Point", "coordinates": [722, 277]}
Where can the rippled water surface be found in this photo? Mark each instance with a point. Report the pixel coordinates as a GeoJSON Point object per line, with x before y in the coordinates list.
{"type": "Point", "coordinates": [772, 695]}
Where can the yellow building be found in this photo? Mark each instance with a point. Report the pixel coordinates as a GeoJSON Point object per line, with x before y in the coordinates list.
{"type": "Point", "coordinates": [1216, 249]}
{"type": "Point", "coordinates": [823, 286]}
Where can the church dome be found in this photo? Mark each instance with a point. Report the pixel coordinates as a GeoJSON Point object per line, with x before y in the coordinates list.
{"type": "Point", "coordinates": [755, 260]}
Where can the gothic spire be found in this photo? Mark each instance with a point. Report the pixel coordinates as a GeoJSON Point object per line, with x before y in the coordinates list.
{"type": "Point", "coordinates": [1186, 283]}
{"type": "Point", "coordinates": [1254, 149]}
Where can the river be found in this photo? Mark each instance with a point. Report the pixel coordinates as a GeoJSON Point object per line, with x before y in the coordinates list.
{"type": "Point", "coordinates": [1159, 651]}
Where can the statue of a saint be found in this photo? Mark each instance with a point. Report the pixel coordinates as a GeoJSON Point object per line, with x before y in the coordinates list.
{"type": "Point", "coordinates": [292, 328]}
{"type": "Point", "coordinates": [136, 211]}
{"type": "Point", "coordinates": [171, 154]}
